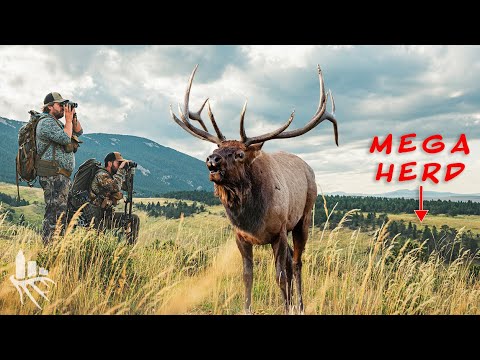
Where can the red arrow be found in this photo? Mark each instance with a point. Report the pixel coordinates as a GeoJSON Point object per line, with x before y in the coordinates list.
{"type": "Point", "coordinates": [421, 213]}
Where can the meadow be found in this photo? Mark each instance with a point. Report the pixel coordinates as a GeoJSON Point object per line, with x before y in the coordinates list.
{"type": "Point", "coordinates": [191, 265]}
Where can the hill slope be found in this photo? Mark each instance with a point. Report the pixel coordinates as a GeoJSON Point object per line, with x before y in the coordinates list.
{"type": "Point", "coordinates": [160, 169]}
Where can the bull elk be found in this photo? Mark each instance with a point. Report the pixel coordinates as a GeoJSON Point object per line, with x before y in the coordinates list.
{"type": "Point", "coordinates": [265, 196]}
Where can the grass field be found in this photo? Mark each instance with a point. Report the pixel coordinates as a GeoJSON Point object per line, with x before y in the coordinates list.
{"type": "Point", "coordinates": [192, 266]}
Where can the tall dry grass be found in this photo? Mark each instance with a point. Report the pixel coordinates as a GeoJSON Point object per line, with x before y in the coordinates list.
{"type": "Point", "coordinates": [192, 266]}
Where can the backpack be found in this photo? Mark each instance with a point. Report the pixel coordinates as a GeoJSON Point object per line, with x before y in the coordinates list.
{"type": "Point", "coordinates": [79, 192]}
{"type": "Point", "coordinates": [27, 151]}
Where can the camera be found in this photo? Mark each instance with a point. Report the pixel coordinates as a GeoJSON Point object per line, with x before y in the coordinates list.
{"type": "Point", "coordinates": [71, 104]}
{"type": "Point", "coordinates": [130, 164]}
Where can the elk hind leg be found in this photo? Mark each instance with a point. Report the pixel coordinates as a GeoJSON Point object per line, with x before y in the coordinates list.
{"type": "Point", "coordinates": [299, 236]}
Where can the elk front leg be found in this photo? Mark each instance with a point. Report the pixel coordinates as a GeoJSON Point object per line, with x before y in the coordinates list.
{"type": "Point", "coordinates": [246, 249]}
{"type": "Point", "coordinates": [281, 253]}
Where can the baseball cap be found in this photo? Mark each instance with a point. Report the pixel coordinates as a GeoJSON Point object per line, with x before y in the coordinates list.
{"type": "Point", "coordinates": [53, 97]}
{"type": "Point", "coordinates": [114, 156]}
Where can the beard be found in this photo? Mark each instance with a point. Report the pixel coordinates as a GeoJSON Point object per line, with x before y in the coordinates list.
{"type": "Point", "coordinates": [58, 114]}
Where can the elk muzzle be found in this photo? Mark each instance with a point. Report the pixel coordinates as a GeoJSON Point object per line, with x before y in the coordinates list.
{"type": "Point", "coordinates": [214, 163]}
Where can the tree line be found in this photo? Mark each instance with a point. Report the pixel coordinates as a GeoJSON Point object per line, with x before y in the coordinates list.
{"type": "Point", "coordinates": [171, 210]}
{"type": "Point", "coordinates": [398, 205]}
{"type": "Point", "coordinates": [445, 241]}
{"type": "Point", "coordinates": [202, 196]}
{"type": "Point", "coordinates": [364, 203]}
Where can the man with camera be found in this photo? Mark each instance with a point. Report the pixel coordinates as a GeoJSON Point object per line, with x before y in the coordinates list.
{"type": "Point", "coordinates": [56, 146]}
{"type": "Point", "coordinates": [105, 193]}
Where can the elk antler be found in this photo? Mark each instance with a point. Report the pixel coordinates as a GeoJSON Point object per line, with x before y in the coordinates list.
{"type": "Point", "coordinates": [185, 123]}
{"type": "Point", "coordinates": [320, 115]}
{"type": "Point", "coordinates": [212, 119]}
{"type": "Point", "coordinates": [257, 139]}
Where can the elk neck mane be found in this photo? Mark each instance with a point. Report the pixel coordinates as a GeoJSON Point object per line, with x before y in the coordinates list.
{"type": "Point", "coordinates": [244, 201]}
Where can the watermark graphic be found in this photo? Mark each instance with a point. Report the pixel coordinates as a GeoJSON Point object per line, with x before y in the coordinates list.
{"type": "Point", "coordinates": [20, 281]}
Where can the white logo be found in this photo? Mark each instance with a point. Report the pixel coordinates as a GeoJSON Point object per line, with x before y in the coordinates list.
{"type": "Point", "coordinates": [21, 283]}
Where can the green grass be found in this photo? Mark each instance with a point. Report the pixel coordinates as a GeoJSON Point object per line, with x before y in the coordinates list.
{"type": "Point", "coordinates": [33, 212]}
{"type": "Point", "coordinates": [30, 194]}
{"type": "Point", "coordinates": [192, 266]}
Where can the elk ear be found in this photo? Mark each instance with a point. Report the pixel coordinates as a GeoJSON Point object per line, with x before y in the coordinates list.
{"type": "Point", "coordinates": [253, 151]}
{"type": "Point", "coordinates": [255, 147]}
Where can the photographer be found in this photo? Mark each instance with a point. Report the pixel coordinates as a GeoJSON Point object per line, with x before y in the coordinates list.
{"type": "Point", "coordinates": [105, 193]}
{"type": "Point", "coordinates": [56, 146]}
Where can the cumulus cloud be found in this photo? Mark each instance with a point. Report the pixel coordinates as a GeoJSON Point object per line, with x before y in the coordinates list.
{"type": "Point", "coordinates": [378, 90]}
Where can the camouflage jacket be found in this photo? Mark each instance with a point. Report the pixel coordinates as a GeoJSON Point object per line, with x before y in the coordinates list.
{"type": "Point", "coordinates": [50, 130]}
{"type": "Point", "coordinates": [105, 190]}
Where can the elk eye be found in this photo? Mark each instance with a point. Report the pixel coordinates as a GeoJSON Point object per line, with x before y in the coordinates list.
{"type": "Point", "coordinates": [239, 155]}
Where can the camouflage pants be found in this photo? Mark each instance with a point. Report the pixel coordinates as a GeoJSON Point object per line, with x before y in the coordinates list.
{"type": "Point", "coordinates": [110, 220]}
{"type": "Point", "coordinates": [55, 192]}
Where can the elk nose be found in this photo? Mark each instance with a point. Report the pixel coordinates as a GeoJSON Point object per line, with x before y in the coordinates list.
{"type": "Point", "coordinates": [213, 160]}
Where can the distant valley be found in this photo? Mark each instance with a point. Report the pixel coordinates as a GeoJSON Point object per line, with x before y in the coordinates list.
{"type": "Point", "coordinates": [413, 194]}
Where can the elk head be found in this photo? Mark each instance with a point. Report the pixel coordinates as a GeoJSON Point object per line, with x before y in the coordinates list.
{"type": "Point", "coordinates": [230, 162]}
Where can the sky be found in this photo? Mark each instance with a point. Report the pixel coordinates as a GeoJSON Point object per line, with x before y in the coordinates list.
{"type": "Point", "coordinates": [378, 90]}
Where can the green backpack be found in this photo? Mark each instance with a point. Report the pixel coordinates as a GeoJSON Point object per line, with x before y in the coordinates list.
{"type": "Point", "coordinates": [79, 192]}
{"type": "Point", "coordinates": [27, 151]}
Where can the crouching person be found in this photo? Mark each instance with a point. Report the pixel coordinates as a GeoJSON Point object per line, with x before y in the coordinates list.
{"type": "Point", "coordinates": [105, 193]}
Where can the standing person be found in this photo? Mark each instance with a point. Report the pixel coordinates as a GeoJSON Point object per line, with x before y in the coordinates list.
{"type": "Point", "coordinates": [56, 147]}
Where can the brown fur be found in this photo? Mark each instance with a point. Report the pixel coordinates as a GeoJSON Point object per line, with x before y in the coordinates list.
{"type": "Point", "coordinates": [284, 184]}
{"type": "Point", "coordinates": [266, 196]}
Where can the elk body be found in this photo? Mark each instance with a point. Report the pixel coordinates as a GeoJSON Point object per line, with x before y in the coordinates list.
{"type": "Point", "coordinates": [265, 196]}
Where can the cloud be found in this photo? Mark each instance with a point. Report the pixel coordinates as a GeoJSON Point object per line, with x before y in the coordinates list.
{"type": "Point", "coordinates": [377, 89]}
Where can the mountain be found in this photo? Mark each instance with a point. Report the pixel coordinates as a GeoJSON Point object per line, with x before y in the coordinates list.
{"type": "Point", "coordinates": [160, 169]}
{"type": "Point", "coordinates": [342, 193]}
{"type": "Point", "coordinates": [413, 194]}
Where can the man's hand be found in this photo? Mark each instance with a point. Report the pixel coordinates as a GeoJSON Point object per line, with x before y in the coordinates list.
{"type": "Point", "coordinates": [71, 118]}
{"type": "Point", "coordinates": [69, 112]}
{"type": "Point", "coordinates": [68, 129]}
{"type": "Point", "coordinates": [122, 165]}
